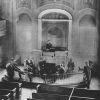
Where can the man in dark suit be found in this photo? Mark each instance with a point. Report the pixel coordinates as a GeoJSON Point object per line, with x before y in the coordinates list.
{"type": "Point", "coordinates": [87, 74]}
{"type": "Point", "coordinates": [11, 67]}
{"type": "Point", "coordinates": [70, 65]}
{"type": "Point", "coordinates": [48, 45]}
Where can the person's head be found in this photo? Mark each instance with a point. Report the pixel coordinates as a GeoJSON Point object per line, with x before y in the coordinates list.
{"type": "Point", "coordinates": [90, 62]}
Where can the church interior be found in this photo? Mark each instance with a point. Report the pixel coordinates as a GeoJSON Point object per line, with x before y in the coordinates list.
{"type": "Point", "coordinates": [49, 50]}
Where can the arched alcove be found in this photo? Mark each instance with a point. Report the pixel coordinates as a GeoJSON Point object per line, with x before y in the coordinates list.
{"type": "Point", "coordinates": [87, 20]}
{"type": "Point", "coordinates": [88, 36]}
{"type": "Point", "coordinates": [24, 19]}
{"type": "Point", "coordinates": [55, 25]}
{"type": "Point", "coordinates": [23, 33]}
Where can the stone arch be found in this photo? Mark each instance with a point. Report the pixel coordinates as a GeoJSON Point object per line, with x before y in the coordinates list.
{"type": "Point", "coordinates": [24, 18]}
{"type": "Point", "coordinates": [88, 34]}
{"type": "Point", "coordinates": [88, 20]}
{"type": "Point", "coordinates": [55, 6]}
{"type": "Point", "coordinates": [84, 12]}
{"type": "Point", "coordinates": [55, 10]}
{"type": "Point", "coordinates": [23, 11]}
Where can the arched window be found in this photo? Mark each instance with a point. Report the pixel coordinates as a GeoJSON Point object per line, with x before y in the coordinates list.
{"type": "Point", "coordinates": [88, 36]}
{"type": "Point", "coordinates": [55, 25]}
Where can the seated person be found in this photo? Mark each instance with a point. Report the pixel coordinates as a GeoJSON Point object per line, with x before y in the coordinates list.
{"type": "Point", "coordinates": [29, 63]}
{"type": "Point", "coordinates": [62, 65]}
{"type": "Point", "coordinates": [48, 45]}
{"type": "Point", "coordinates": [71, 65]}
{"type": "Point", "coordinates": [11, 67]}
{"type": "Point", "coordinates": [87, 74]}
{"type": "Point", "coordinates": [60, 69]}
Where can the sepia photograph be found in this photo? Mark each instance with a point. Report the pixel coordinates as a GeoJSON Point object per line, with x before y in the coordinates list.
{"type": "Point", "coordinates": [49, 49]}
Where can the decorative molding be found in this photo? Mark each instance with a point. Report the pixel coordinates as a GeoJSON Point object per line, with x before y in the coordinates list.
{"type": "Point", "coordinates": [23, 3]}
{"type": "Point", "coordinates": [55, 10]}
{"type": "Point", "coordinates": [82, 4]}
{"type": "Point", "coordinates": [64, 2]}
{"type": "Point", "coordinates": [74, 4]}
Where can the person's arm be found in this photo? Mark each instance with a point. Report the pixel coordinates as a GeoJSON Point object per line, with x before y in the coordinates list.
{"type": "Point", "coordinates": [7, 65]}
{"type": "Point", "coordinates": [17, 69]}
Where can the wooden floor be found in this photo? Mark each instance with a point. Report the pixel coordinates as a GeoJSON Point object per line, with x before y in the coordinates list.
{"type": "Point", "coordinates": [27, 93]}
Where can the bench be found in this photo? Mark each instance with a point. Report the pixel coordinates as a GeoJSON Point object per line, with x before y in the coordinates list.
{"type": "Point", "coordinates": [34, 99]}
{"type": "Point", "coordinates": [43, 88]}
{"type": "Point", "coordinates": [11, 86]}
{"type": "Point", "coordinates": [12, 93]}
{"type": "Point", "coordinates": [80, 98]}
{"type": "Point", "coordinates": [5, 95]}
{"type": "Point", "coordinates": [47, 96]}
{"type": "Point", "coordinates": [86, 93]}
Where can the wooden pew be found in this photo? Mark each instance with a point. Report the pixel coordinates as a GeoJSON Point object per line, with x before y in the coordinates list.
{"type": "Point", "coordinates": [12, 93]}
{"type": "Point", "coordinates": [47, 96]}
{"type": "Point", "coordinates": [80, 98]}
{"type": "Point", "coordinates": [73, 98]}
{"type": "Point", "coordinates": [12, 85]}
{"type": "Point", "coordinates": [43, 88]}
{"type": "Point", "coordinates": [5, 95]}
{"type": "Point", "coordinates": [86, 93]}
{"type": "Point", "coordinates": [34, 99]}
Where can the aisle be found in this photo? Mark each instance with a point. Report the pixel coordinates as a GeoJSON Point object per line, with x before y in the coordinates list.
{"type": "Point", "coordinates": [27, 93]}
